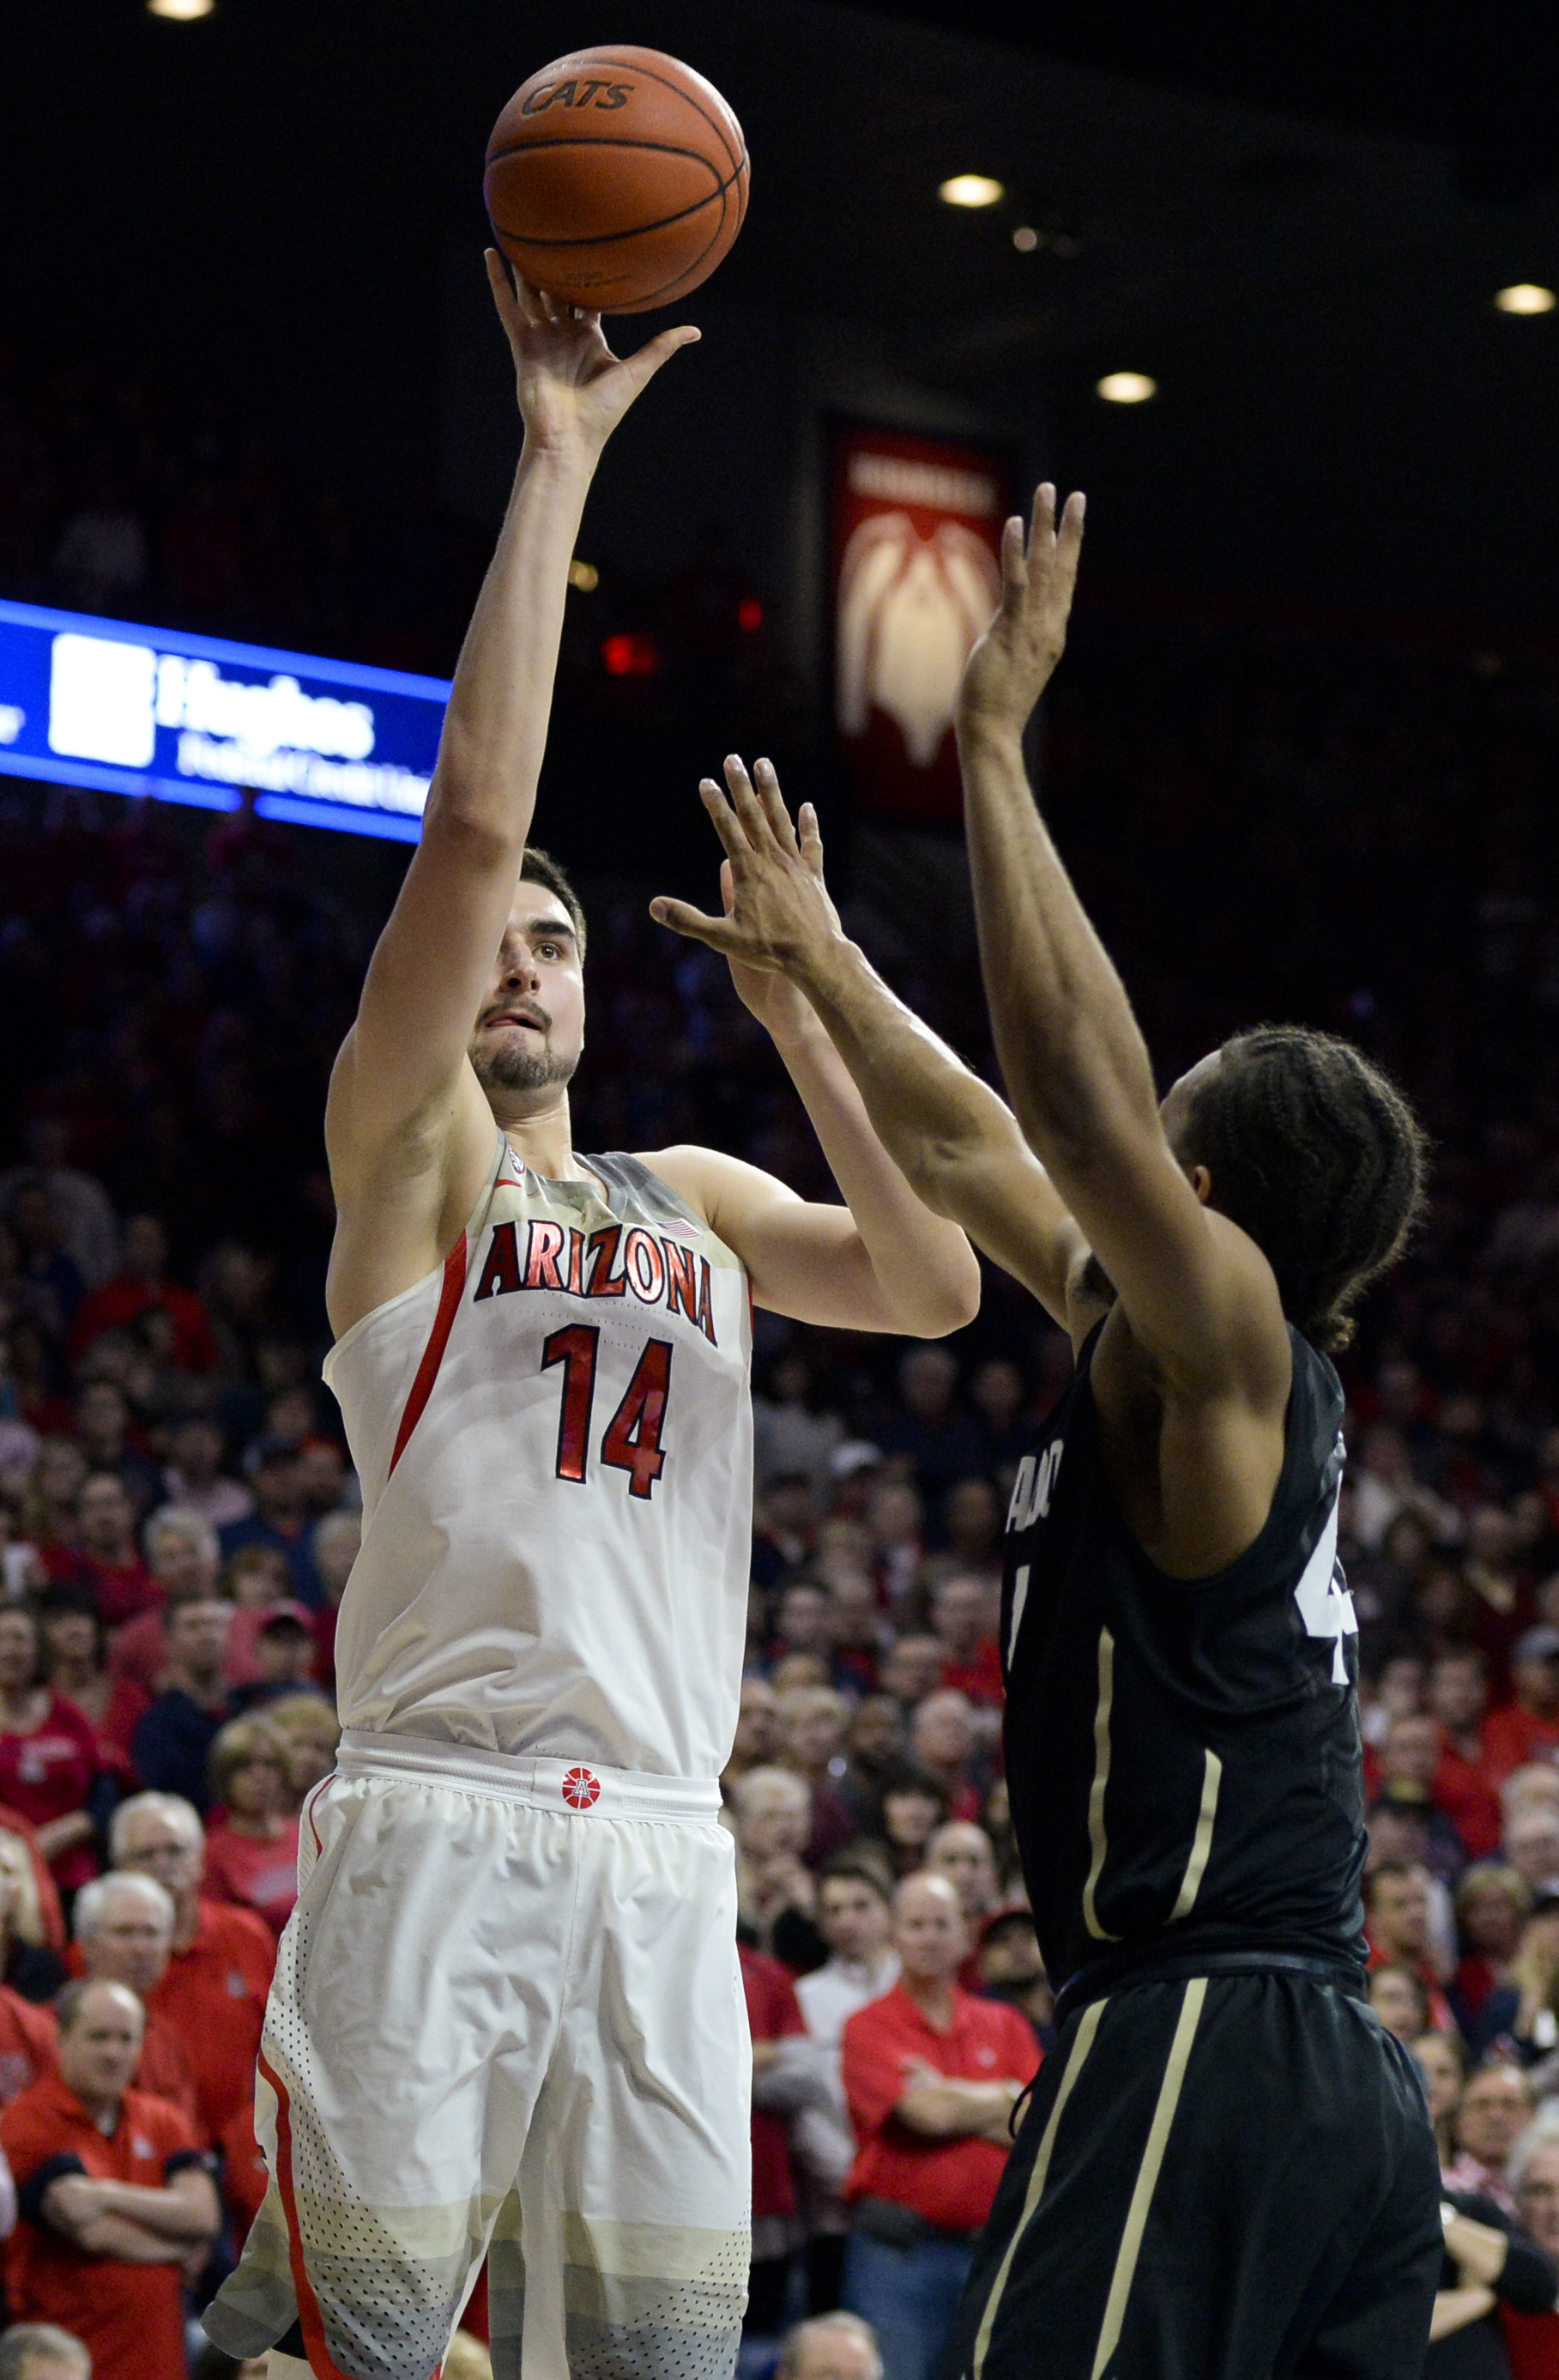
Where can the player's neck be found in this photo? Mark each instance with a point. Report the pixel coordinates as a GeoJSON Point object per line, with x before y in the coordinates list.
{"type": "Point", "coordinates": [542, 1137]}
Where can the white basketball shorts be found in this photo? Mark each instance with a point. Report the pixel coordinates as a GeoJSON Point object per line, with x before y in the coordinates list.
{"type": "Point", "coordinates": [508, 2019]}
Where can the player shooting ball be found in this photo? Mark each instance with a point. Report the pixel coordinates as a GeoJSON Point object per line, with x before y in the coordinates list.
{"type": "Point", "coordinates": [1226, 2166]}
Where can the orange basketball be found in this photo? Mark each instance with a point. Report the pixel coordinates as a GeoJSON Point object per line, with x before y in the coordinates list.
{"type": "Point", "coordinates": [616, 179]}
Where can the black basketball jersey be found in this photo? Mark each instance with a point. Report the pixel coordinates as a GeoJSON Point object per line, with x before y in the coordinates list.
{"type": "Point", "coordinates": [1183, 1757]}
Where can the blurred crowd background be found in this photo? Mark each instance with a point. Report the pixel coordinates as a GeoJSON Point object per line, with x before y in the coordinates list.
{"type": "Point", "coordinates": [1297, 817]}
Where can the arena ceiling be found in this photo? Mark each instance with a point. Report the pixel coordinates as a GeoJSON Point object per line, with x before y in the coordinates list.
{"type": "Point", "coordinates": [1297, 230]}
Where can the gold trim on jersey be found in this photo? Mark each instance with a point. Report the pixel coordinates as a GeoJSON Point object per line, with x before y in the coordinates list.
{"type": "Point", "coordinates": [1202, 1844]}
{"type": "Point", "coordinates": [1147, 2173]}
{"type": "Point", "coordinates": [1086, 2030]}
{"type": "Point", "coordinates": [1096, 1790]}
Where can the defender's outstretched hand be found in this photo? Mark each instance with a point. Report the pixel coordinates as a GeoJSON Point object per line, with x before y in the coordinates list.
{"type": "Point", "coordinates": [572, 388]}
{"type": "Point", "coordinates": [777, 911]}
{"type": "Point", "coordinates": [1013, 661]}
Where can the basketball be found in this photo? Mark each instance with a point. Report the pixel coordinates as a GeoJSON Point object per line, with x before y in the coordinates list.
{"type": "Point", "coordinates": [616, 179]}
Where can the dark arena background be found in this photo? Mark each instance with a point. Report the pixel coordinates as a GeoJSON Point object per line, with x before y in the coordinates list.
{"type": "Point", "coordinates": [1280, 295]}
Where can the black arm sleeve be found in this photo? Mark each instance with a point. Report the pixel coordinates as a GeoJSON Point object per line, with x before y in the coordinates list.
{"type": "Point", "coordinates": [1529, 2282]}
{"type": "Point", "coordinates": [30, 2196]}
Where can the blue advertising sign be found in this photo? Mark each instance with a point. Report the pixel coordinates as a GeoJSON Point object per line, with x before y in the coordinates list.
{"type": "Point", "coordinates": [128, 709]}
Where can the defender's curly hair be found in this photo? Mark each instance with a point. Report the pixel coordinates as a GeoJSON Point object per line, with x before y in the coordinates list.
{"type": "Point", "coordinates": [1316, 1154]}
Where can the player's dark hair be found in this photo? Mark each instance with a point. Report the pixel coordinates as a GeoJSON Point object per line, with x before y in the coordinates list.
{"type": "Point", "coordinates": [539, 867]}
{"type": "Point", "coordinates": [1316, 1154]}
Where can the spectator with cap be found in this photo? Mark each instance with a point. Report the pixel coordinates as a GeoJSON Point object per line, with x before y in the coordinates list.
{"type": "Point", "coordinates": [117, 2209]}
{"type": "Point", "coordinates": [219, 1973]}
{"type": "Point", "coordinates": [251, 1852]}
{"type": "Point", "coordinates": [42, 2350]}
{"type": "Point", "coordinates": [172, 1743]}
{"type": "Point", "coordinates": [1526, 1728]}
{"type": "Point", "coordinates": [285, 1651]}
{"type": "Point", "coordinates": [281, 1517]}
{"type": "Point", "coordinates": [124, 1928]}
{"type": "Point", "coordinates": [932, 2076]}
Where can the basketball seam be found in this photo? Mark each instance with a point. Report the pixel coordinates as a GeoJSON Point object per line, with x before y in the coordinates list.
{"type": "Point", "coordinates": [607, 58]}
{"type": "Point", "coordinates": [610, 239]}
{"type": "Point", "coordinates": [668, 290]}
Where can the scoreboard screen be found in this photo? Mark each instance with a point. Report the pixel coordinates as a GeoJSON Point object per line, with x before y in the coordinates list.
{"type": "Point", "coordinates": [126, 710]}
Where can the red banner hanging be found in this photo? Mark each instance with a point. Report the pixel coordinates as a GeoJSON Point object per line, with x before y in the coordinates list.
{"type": "Point", "coordinates": [915, 575]}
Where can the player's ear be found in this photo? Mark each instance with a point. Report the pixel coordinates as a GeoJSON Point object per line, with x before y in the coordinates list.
{"type": "Point", "coordinates": [1201, 1182]}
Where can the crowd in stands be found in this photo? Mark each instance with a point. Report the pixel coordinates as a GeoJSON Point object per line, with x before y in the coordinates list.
{"type": "Point", "coordinates": [1359, 842]}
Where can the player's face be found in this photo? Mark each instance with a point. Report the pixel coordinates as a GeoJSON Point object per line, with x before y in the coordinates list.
{"type": "Point", "coordinates": [531, 1028]}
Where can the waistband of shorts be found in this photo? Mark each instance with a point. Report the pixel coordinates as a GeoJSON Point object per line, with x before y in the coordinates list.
{"type": "Point", "coordinates": [1102, 1980]}
{"type": "Point", "coordinates": [578, 1788]}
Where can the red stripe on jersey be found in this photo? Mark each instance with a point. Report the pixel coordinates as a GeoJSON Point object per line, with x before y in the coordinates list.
{"type": "Point", "coordinates": [433, 1354]}
{"type": "Point", "coordinates": [310, 2324]}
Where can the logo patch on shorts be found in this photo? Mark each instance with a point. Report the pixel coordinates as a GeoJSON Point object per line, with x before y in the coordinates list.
{"type": "Point", "coordinates": [582, 1789]}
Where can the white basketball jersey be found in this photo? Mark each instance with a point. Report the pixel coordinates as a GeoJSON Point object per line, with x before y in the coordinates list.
{"type": "Point", "coordinates": [554, 1439]}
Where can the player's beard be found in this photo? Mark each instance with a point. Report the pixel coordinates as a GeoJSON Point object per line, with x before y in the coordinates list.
{"type": "Point", "coordinates": [522, 1070]}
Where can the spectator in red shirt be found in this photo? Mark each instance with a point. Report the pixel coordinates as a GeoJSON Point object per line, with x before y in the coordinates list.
{"type": "Point", "coordinates": [142, 1280]}
{"type": "Point", "coordinates": [960, 1616]}
{"type": "Point", "coordinates": [125, 1932]}
{"type": "Point", "coordinates": [117, 2209]}
{"type": "Point", "coordinates": [1463, 1785]}
{"type": "Point", "coordinates": [49, 1759]}
{"type": "Point", "coordinates": [108, 1561]}
{"type": "Point", "coordinates": [773, 2018]}
{"type": "Point", "coordinates": [932, 2075]}
{"type": "Point", "coordinates": [251, 1852]}
{"type": "Point", "coordinates": [213, 1994]}
{"type": "Point", "coordinates": [1528, 1727]}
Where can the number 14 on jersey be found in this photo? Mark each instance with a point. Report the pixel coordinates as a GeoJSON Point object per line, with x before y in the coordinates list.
{"type": "Point", "coordinates": [631, 1438]}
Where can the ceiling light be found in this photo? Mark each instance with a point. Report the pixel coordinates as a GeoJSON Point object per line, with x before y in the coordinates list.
{"type": "Point", "coordinates": [1126, 388]}
{"type": "Point", "coordinates": [1525, 297]}
{"type": "Point", "coordinates": [1025, 239]}
{"type": "Point", "coordinates": [971, 190]}
{"type": "Point", "coordinates": [184, 12]}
